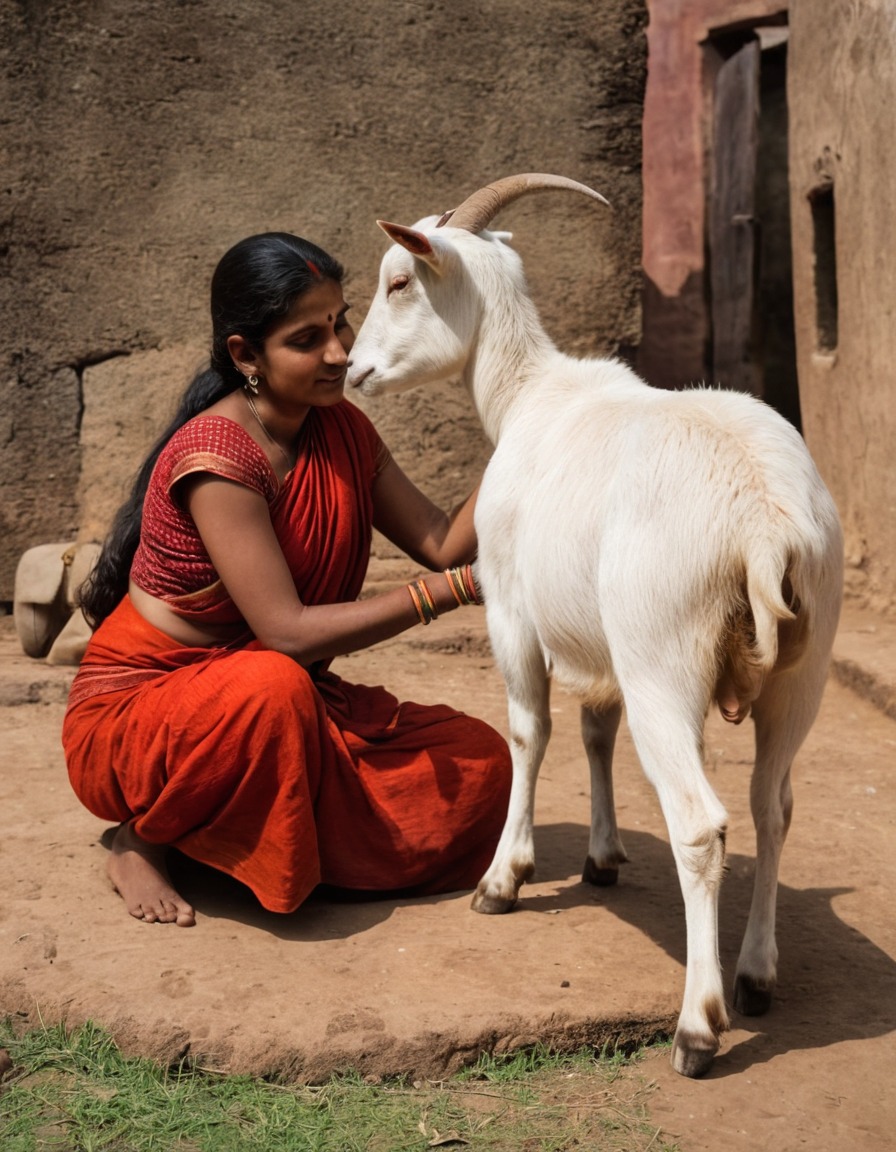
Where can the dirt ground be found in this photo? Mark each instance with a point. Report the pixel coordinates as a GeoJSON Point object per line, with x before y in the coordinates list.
{"type": "Point", "coordinates": [423, 986]}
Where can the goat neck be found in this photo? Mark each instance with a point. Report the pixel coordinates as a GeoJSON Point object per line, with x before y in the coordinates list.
{"type": "Point", "coordinates": [510, 347]}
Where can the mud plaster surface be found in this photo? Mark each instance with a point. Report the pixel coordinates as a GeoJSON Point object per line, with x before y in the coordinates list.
{"type": "Point", "coordinates": [424, 985]}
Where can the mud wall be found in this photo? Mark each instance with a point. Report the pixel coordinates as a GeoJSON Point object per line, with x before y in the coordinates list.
{"type": "Point", "coordinates": [841, 169]}
{"type": "Point", "coordinates": [674, 347]}
{"type": "Point", "coordinates": [842, 95]}
{"type": "Point", "coordinates": [141, 139]}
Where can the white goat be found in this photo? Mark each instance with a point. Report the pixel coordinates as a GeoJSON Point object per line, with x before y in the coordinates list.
{"type": "Point", "coordinates": [642, 547]}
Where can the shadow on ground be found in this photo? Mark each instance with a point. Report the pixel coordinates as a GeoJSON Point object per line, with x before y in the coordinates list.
{"type": "Point", "coordinates": [830, 974]}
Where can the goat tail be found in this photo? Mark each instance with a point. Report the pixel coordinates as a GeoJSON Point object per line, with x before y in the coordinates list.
{"type": "Point", "coordinates": [767, 582]}
{"type": "Point", "coordinates": [774, 601]}
{"type": "Point", "coordinates": [757, 629]}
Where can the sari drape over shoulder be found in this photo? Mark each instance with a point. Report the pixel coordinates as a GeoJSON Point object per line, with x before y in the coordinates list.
{"type": "Point", "coordinates": [236, 755]}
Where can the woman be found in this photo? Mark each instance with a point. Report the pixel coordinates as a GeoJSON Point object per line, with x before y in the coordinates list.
{"type": "Point", "coordinates": [204, 715]}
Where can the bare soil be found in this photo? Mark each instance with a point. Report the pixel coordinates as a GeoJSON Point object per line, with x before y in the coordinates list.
{"type": "Point", "coordinates": [422, 986]}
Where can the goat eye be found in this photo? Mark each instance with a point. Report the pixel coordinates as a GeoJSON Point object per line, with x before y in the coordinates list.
{"type": "Point", "coordinates": [398, 282]}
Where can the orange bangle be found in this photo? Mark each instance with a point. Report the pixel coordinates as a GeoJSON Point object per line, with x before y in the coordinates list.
{"type": "Point", "coordinates": [415, 597]}
{"type": "Point", "coordinates": [426, 597]}
{"type": "Point", "coordinates": [470, 583]}
{"type": "Point", "coordinates": [462, 584]}
{"type": "Point", "coordinates": [457, 588]}
{"type": "Point", "coordinates": [423, 602]}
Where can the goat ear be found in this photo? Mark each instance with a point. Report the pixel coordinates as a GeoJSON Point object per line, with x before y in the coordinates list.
{"type": "Point", "coordinates": [417, 243]}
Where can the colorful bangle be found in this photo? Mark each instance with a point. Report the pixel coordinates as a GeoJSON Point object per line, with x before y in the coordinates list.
{"type": "Point", "coordinates": [429, 603]}
{"type": "Point", "coordinates": [470, 583]}
{"type": "Point", "coordinates": [415, 597]}
{"type": "Point", "coordinates": [423, 602]}
{"type": "Point", "coordinates": [452, 575]}
{"type": "Point", "coordinates": [462, 585]}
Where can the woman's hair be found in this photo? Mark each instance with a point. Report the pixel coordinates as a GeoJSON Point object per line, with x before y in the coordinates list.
{"type": "Point", "coordinates": [256, 282]}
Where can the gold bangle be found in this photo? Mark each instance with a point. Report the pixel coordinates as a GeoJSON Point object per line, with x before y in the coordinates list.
{"type": "Point", "coordinates": [423, 602]}
{"type": "Point", "coordinates": [462, 584]}
{"type": "Point", "coordinates": [427, 598]}
{"type": "Point", "coordinates": [457, 589]}
{"type": "Point", "coordinates": [415, 597]}
{"type": "Point", "coordinates": [472, 586]}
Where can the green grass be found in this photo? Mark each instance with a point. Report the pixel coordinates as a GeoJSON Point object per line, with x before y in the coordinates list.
{"type": "Point", "coordinates": [75, 1092]}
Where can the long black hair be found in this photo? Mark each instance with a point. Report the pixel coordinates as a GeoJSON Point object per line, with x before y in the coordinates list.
{"type": "Point", "coordinates": [256, 282]}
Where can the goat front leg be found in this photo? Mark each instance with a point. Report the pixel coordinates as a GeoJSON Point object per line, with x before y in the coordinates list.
{"type": "Point", "coordinates": [530, 728]}
{"type": "Point", "coordinates": [605, 850]}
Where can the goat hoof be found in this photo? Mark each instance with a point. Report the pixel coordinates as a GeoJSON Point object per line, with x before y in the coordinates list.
{"type": "Point", "coordinates": [692, 1057]}
{"type": "Point", "coordinates": [752, 997]}
{"type": "Point", "coordinates": [601, 877]}
{"type": "Point", "coordinates": [490, 904]}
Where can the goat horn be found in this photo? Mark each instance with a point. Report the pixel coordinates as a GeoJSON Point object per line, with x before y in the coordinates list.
{"type": "Point", "coordinates": [478, 210]}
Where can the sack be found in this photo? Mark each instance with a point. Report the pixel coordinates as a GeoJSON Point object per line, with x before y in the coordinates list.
{"type": "Point", "coordinates": [48, 620]}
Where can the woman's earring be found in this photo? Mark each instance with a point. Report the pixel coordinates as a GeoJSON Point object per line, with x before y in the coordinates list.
{"type": "Point", "coordinates": [251, 385]}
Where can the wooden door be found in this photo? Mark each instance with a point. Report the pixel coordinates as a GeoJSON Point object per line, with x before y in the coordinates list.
{"type": "Point", "coordinates": [733, 224]}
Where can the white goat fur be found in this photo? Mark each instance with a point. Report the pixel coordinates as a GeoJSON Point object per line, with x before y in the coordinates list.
{"type": "Point", "coordinates": [633, 545]}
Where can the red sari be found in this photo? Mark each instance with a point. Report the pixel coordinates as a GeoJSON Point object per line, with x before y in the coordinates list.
{"type": "Point", "coordinates": [281, 777]}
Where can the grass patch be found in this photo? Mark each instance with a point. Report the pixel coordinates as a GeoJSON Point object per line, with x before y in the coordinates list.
{"type": "Point", "coordinates": [75, 1092]}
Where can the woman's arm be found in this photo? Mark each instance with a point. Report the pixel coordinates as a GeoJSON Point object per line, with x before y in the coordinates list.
{"type": "Point", "coordinates": [235, 526]}
{"type": "Point", "coordinates": [435, 539]}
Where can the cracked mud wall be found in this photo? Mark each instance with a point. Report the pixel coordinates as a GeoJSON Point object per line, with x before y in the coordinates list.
{"type": "Point", "coordinates": [842, 95]}
{"type": "Point", "coordinates": [140, 140]}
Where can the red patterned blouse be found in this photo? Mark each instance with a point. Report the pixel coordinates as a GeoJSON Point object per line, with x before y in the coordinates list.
{"type": "Point", "coordinates": [324, 505]}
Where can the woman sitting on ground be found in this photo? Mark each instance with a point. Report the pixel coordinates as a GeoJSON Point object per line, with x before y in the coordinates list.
{"type": "Point", "coordinates": [204, 715]}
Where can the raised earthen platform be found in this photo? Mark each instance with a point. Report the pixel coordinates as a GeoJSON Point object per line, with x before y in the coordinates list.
{"type": "Point", "coordinates": [423, 986]}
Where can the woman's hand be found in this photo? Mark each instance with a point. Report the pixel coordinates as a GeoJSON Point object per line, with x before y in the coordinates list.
{"type": "Point", "coordinates": [235, 526]}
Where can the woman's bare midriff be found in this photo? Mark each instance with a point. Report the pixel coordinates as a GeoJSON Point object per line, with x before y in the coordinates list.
{"type": "Point", "coordinates": [157, 613]}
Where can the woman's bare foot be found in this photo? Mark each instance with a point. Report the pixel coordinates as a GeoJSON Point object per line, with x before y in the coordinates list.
{"type": "Point", "coordinates": [138, 871]}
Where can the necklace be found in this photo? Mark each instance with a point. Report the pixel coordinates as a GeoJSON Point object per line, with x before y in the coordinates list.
{"type": "Point", "coordinates": [264, 429]}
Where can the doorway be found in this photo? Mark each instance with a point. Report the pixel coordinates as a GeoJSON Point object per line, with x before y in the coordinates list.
{"type": "Point", "coordinates": [752, 345]}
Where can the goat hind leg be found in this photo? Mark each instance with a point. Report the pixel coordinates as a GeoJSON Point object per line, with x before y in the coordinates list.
{"type": "Point", "coordinates": [783, 715]}
{"type": "Point", "coordinates": [605, 849]}
{"type": "Point", "coordinates": [668, 745]}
